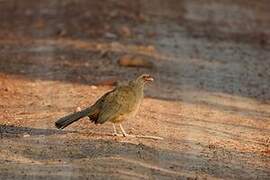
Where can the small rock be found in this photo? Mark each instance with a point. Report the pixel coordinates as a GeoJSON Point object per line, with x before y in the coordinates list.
{"type": "Point", "coordinates": [93, 87]}
{"type": "Point", "coordinates": [26, 135]}
{"type": "Point", "coordinates": [78, 109]}
{"type": "Point", "coordinates": [135, 61]}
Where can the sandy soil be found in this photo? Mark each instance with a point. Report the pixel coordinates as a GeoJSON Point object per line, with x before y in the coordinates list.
{"type": "Point", "coordinates": [210, 101]}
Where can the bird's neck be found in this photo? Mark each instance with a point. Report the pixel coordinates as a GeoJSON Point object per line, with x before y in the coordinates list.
{"type": "Point", "coordinates": [138, 86]}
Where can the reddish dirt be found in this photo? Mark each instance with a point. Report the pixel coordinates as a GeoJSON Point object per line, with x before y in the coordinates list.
{"type": "Point", "coordinates": [210, 99]}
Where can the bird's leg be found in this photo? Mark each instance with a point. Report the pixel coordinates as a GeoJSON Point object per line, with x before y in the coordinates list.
{"type": "Point", "coordinates": [123, 131]}
{"type": "Point", "coordinates": [115, 131]}
{"type": "Point", "coordinates": [138, 136]}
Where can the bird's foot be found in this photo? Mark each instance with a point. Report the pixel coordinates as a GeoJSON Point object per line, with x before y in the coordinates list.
{"type": "Point", "coordinates": [129, 135]}
{"type": "Point", "coordinates": [117, 134]}
{"type": "Point", "coordinates": [124, 132]}
{"type": "Point", "coordinates": [123, 135]}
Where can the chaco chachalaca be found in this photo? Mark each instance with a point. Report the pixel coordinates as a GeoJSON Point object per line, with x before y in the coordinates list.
{"type": "Point", "coordinates": [115, 106]}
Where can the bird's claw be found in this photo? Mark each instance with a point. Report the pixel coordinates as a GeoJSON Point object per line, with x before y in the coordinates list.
{"type": "Point", "coordinates": [116, 134]}
{"type": "Point", "coordinates": [128, 135]}
{"type": "Point", "coordinates": [122, 135]}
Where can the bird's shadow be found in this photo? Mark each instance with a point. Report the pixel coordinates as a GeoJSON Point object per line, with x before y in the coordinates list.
{"type": "Point", "coordinates": [16, 131]}
{"type": "Point", "coordinates": [9, 131]}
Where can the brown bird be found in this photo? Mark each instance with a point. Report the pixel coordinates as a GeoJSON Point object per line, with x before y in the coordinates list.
{"type": "Point", "coordinates": [122, 103]}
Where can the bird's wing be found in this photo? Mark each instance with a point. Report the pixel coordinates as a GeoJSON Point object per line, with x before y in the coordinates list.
{"type": "Point", "coordinates": [119, 102]}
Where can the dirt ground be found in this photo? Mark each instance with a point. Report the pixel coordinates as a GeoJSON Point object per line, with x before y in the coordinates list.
{"type": "Point", "coordinates": [210, 100]}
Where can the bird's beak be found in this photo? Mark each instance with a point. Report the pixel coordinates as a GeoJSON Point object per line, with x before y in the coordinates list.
{"type": "Point", "coordinates": [149, 79]}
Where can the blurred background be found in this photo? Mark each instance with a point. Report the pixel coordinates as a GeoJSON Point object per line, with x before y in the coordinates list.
{"type": "Point", "coordinates": [210, 98]}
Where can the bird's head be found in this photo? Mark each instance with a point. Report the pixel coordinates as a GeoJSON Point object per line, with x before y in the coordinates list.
{"type": "Point", "coordinates": [144, 78]}
{"type": "Point", "coordinates": [140, 81]}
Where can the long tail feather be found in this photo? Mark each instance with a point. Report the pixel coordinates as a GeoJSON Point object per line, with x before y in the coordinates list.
{"type": "Point", "coordinates": [71, 118]}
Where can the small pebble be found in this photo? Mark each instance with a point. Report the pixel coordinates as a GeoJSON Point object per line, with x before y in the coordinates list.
{"type": "Point", "coordinates": [93, 87]}
{"type": "Point", "coordinates": [78, 109]}
{"type": "Point", "coordinates": [26, 135]}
